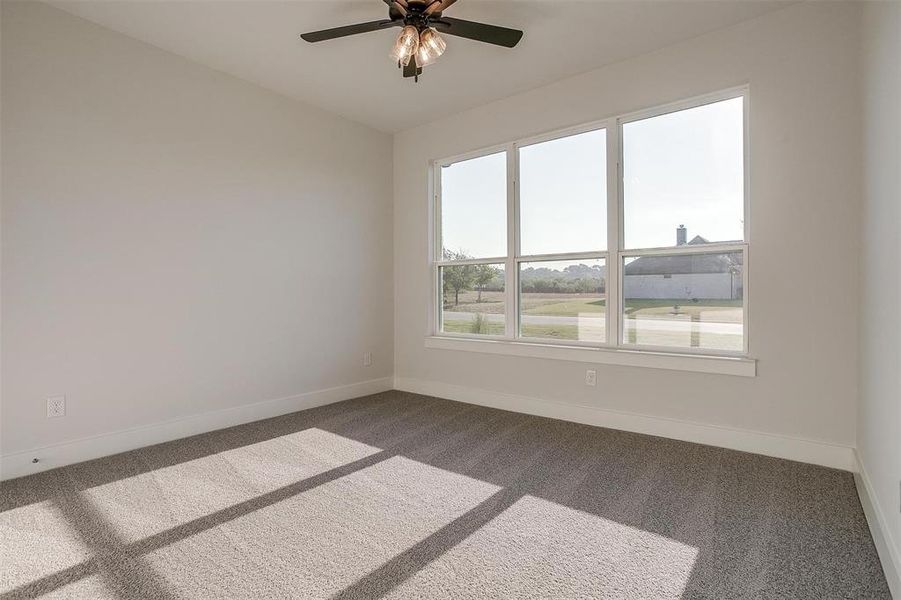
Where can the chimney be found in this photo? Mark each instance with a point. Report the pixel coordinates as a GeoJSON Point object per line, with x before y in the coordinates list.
{"type": "Point", "coordinates": [681, 235]}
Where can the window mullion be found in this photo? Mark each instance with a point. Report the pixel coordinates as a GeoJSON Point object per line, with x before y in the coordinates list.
{"type": "Point", "coordinates": [511, 295]}
{"type": "Point", "coordinates": [472, 261]}
{"type": "Point", "coordinates": [564, 256]}
{"type": "Point", "coordinates": [435, 324]}
{"type": "Point", "coordinates": [614, 232]}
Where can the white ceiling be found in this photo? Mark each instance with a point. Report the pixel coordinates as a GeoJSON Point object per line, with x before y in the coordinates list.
{"type": "Point", "coordinates": [258, 40]}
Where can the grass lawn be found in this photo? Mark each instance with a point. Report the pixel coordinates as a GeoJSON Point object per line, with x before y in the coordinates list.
{"type": "Point", "coordinates": [487, 328]}
{"type": "Point", "coordinates": [570, 307]}
{"type": "Point", "coordinates": [492, 303]}
{"type": "Point", "coordinates": [560, 305]}
{"type": "Point", "coordinates": [560, 332]}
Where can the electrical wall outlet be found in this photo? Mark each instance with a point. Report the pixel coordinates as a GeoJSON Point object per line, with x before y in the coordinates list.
{"type": "Point", "coordinates": [367, 359]}
{"type": "Point", "coordinates": [56, 406]}
{"type": "Point", "coordinates": [591, 377]}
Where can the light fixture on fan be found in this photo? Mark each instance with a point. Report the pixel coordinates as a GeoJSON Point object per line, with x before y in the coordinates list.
{"type": "Point", "coordinates": [419, 44]}
{"type": "Point", "coordinates": [426, 46]}
{"type": "Point", "coordinates": [431, 46]}
{"type": "Point", "coordinates": [405, 46]}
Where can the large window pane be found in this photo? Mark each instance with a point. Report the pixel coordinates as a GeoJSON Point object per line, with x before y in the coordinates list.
{"type": "Point", "coordinates": [683, 177]}
{"type": "Point", "coordinates": [565, 300]}
{"type": "Point", "coordinates": [563, 194]}
{"type": "Point", "coordinates": [472, 299]}
{"type": "Point", "coordinates": [474, 207]}
{"type": "Point", "coordinates": [684, 300]}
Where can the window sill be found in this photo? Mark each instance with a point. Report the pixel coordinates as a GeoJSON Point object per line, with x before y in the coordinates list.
{"type": "Point", "coordinates": [722, 365]}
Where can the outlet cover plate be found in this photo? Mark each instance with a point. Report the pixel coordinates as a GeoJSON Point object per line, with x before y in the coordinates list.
{"type": "Point", "coordinates": [56, 407]}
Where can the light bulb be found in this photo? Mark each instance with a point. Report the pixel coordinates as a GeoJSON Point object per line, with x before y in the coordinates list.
{"type": "Point", "coordinates": [406, 45]}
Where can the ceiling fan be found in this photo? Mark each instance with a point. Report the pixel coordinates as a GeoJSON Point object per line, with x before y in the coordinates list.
{"type": "Point", "coordinates": [419, 43]}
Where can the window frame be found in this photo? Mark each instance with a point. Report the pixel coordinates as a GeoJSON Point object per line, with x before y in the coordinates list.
{"type": "Point", "coordinates": [613, 255]}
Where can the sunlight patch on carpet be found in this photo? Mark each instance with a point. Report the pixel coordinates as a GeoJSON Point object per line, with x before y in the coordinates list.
{"type": "Point", "coordinates": [36, 540]}
{"type": "Point", "coordinates": [541, 549]}
{"type": "Point", "coordinates": [92, 586]}
{"type": "Point", "coordinates": [152, 502]}
{"type": "Point", "coordinates": [324, 539]}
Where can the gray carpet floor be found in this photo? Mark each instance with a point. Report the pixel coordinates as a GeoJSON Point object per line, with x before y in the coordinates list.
{"type": "Point", "coordinates": [403, 496]}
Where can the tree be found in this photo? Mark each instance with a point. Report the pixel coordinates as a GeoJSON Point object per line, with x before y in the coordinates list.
{"type": "Point", "coordinates": [484, 274]}
{"type": "Point", "coordinates": [457, 277]}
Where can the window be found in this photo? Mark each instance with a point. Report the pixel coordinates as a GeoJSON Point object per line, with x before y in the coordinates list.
{"type": "Point", "coordinates": [473, 229]}
{"type": "Point", "coordinates": [683, 205]}
{"type": "Point", "coordinates": [628, 233]}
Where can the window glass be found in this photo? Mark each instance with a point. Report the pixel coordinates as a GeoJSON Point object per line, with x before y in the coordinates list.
{"type": "Point", "coordinates": [563, 195]}
{"type": "Point", "coordinates": [474, 207]}
{"type": "Point", "coordinates": [472, 299]}
{"type": "Point", "coordinates": [684, 172]}
{"type": "Point", "coordinates": [684, 301]}
{"type": "Point", "coordinates": [564, 300]}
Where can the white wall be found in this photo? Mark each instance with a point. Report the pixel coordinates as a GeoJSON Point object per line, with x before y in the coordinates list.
{"type": "Point", "coordinates": [801, 64]}
{"type": "Point", "coordinates": [879, 415]}
{"type": "Point", "coordinates": [175, 240]}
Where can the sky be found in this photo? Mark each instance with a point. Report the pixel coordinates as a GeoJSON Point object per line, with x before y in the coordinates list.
{"type": "Point", "coordinates": [683, 168]}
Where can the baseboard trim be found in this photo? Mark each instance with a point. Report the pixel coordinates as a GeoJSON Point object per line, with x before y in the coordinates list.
{"type": "Point", "coordinates": [886, 546]}
{"type": "Point", "coordinates": [19, 464]}
{"type": "Point", "coordinates": [802, 450]}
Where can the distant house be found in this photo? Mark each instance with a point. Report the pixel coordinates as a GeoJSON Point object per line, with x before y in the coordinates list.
{"type": "Point", "coordinates": [684, 276]}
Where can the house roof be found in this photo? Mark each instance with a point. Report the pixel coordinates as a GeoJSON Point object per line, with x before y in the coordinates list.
{"type": "Point", "coordinates": [672, 264]}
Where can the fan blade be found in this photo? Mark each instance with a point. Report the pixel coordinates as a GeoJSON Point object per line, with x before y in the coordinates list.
{"type": "Point", "coordinates": [410, 69]}
{"type": "Point", "coordinates": [438, 6]}
{"type": "Point", "coordinates": [491, 34]}
{"type": "Point", "coordinates": [337, 32]}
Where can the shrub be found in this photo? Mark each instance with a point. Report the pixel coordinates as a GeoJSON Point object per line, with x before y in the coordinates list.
{"type": "Point", "coordinates": [479, 324]}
